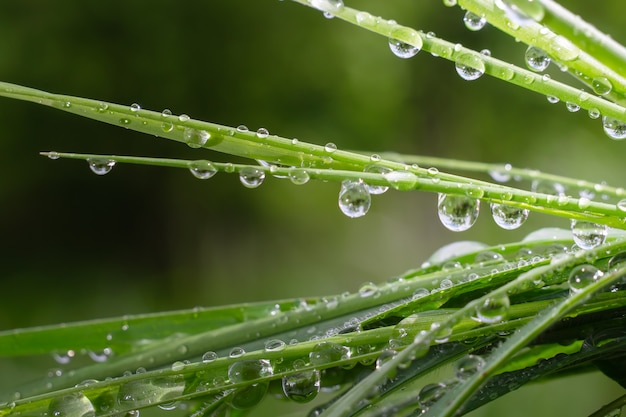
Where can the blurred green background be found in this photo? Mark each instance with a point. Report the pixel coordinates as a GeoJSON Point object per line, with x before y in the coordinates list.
{"type": "Point", "coordinates": [142, 239]}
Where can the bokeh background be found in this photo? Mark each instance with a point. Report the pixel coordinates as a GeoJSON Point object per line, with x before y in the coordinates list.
{"type": "Point", "coordinates": [141, 239]}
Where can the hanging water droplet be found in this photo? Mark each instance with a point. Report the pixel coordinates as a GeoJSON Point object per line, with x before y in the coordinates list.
{"type": "Point", "coordinates": [493, 309]}
{"type": "Point", "coordinates": [536, 59]}
{"type": "Point", "coordinates": [474, 22]}
{"type": "Point", "coordinates": [326, 352]}
{"type": "Point", "coordinates": [601, 86]}
{"type": "Point", "coordinates": [588, 235]}
{"type": "Point", "coordinates": [327, 5]}
{"type": "Point", "coordinates": [72, 405]}
{"type": "Point", "coordinates": [614, 128]}
{"type": "Point", "coordinates": [521, 12]}
{"type": "Point", "coordinates": [467, 366]}
{"type": "Point", "coordinates": [354, 199]}
{"type": "Point", "coordinates": [135, 107]}
{"type": "Point", "coordinates": [594, 113]}
{"type": "Point", "coordinates": [572, 107]}
{"type": "Point", "coordinates": [508, 217]}
{"type": "Point", "coordinates": [553, 99]}
{"type": "Point", "coordinates": [195, 138]}
{"type": "Point", "coordinates": [251, 177]}
{"type": "Point", "coordinates": [184, 117]}
{"type": "Point", "coordinates": [100, 166]}
{"type": "Point", "coordinates": [449, 3]}
{"type": "Point", "coordinates": [457, 212]}
{"type": "Point", "coordinates": [330, 147]}
{"type": "Point", "coordinates": [202, 169]}
{"type": "Point", "coordinates": [301, 387]}
{"type": "Point", "coordinates": [410, 44]}
{"type": "Point", "coordinates": [470, 67]}
{"type": "Point", "coordinates": [249, 370]}
{"type": "Point", "coordinates": [299, 176]}
{"type": "Point", "coordinates": [377, 189]}
{"type": "Point", "coordinates": [582, 276]}
{"type": "Point", "coordinates": [262, 133]}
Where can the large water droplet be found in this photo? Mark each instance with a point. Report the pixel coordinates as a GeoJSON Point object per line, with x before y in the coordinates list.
{"type": "Point", "coordinates": [536, 59]}
{"type": "Point", "coordinates": [493, 309]}
{"type": "Point", "coordinates": [474, 22]}
{"type": "Point", "coordinates": [195, 138]}
{"type": "Point", "coordinates": [249, 370]}
{"type": "Point", "coordinates": [508, 217]}
{"type": "Point", "coordinates": [330, 147]}
{"type": "Point", "coordinates": [430, 393]}
{"type": "Point", "coordinates": [327, 5]}
{"type": "Point", "coordinates": [410, 44]}
{"type": "Point", "coordinates": [146, 392]}
{"type": "Point", "coordinates": [72, 405]}
{"type": "Point", "coordinates": [299, 176]}
{"type": "Point", "coordinates": [470, 67]}
{"type": "Point", "coordinates": [582, 276]}
{"type": "Point", "coordinates": [521, 12]}
{"type": "Point", "coordinates": [251, 177]}
{"type": "Point", "coordinates": [467, 366]}
{"type": "Point", "coordinates": [100, 166]}
{"type": "Point", "coordinates": [302, 387]}
{"type": "Point", "coordinates": [401, 180]}
{"type": "Point", "coordinates": [457, 212]}
{"type": "Point", "coordinates": [601, 86]}
{"type": "Point", "coordinates": [614, 128]}
{"type": "Point", "coordinates": [588, 235]}
{"type": "Point", "coordinates": [262, 133]}
{"type": "Point", "coordinates": [202, 169]}
{"type": "Point", "coordinates": [326, 352]}
{"type": "Point", "coordinates": [354, 199]}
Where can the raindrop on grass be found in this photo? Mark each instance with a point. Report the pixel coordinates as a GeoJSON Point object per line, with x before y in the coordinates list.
{"type": "Point", "coordinates": [242, 128]}
{"type": "Point", "coordinates": [501, 175]}
{"type": "Point", "coordinates": [369, 289]}
{"type": "Point", "coordinates": [100, 166]}
{"type": "Point", "coordinates": [236, 352]}
{"type": "Point", "coordinates": [493, 309]}
{"type": "Point", "coordinates": [354, 199]}
{"type": "Point", "coordinates": [456, 212]}
{"type": "Point", "coordinates": [474, 22]}
{"type": "Point", "coordinates": [209, 356]}
{"type": "Point", "coordinates": [330, 147]}
{"type": "Point", "coordinates": [401, 180]}
{"type": "Point", "coordinates": [71, 405]}
{"type": "Point", "coordinates": [249, 370]}
{"type": "Point", "coordinates": [621, 205]}
{"type": "Point", "coordinates": [582, 276]}
{"type": "Point", "coordinates": [614, 128]}
{"type": "Point", "coordinates": [251, 177]}
{"type": "Point", "coordinates": [601, 86]}
{"type": "Point", "coordinates": [53, 155]}
{"type": "Point", "coordinates": [467, 366]}
{"type": "Point", "coordinates": [572, 107]}
{"type": "Point", "coordinates": [588, 235]}
{"type": "Point", "coordinates": [299, 176]}
{"type": "Point", "coordinates": [403, 49]}
{"type": "Point", "coordinates": [202, 169]}
{"type": "Point", "coordinates": [377, 189]}
{"type": "Point", "coordinates": [327, 352]}
{"type": "Point", "coordinates": [195, 138]}
{"type": "Point", "coordinates": [470, 67]}
{"type": "Point", "coordinates": [430, 393]}
{"type": "Point", "coordinates": [508, 217]}
{"type": "Point", "coordinates": [262, 133]}
{"type": "Point", "coordinates": [594, 113]}
{"type": "Point", "coordinates": [327, 5]}
{"type": "Point", "coordinates": [536, 59]}
{"type": "Point", "coordinates": [135, 107]}
{"type": "Point", "coordinates": [274, 345]}
{"type": "Point", "coordinates": [301, 387]}
{"type": "Point", "coordinates": [553, 99]}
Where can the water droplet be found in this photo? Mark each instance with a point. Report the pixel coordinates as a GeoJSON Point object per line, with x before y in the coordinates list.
{"type": "Point", "coordinates": [302, 387]}
{"type": "Point", "coordinates": [522, 12]}
{"type": "Point", "coordinates": [536, 59]}
{"type": "Point", "coordinates": [493, 309]}
{"type": "Point", "coordinates": [100, 166]}
{"type": "Point", "coordinates": [53, 155]}
{"type": "Point", "coordinates": [553, 99]}
{"type": "Point", "coordinates": [572, 107]}
{"type": "Point", "coordinates": [249, 396]}
{"type": "Point", "coordinates": [325, 353]}
{"type": "Point", "coordinates": [508, 217]}
{"type": "Point", "coordinates": [621, 205]}
{"type": "Point", "coordinates": [377, 189]}
{"type": "Point", "coordinates": [485, 52]}
{"type": "Point", "coordinates": [262, 133]}
{"type": "Point", "coordinates": [456, 212]}
{"type": "Point", "coordinates": [474, 22]}
{"type": "Point", "coordinates": [177, 366]}
{"type": "Point", "coordinates": [449, 3]}
{"type": "Point", "coordinates": [236, 352]}
{"type": "Point", "coordinates": [251, 177]}
{"type": "Point", "coordinates": [470, 67]}
{"type": "Point", "coordinates": [166, 113]}
{"type": "Point", "coordinates": [430, 393]}
{"type": "Point", "coordinates": [354, 199]}
{"type": "Point", "coordinates": [101, 356]}
{"type": "Point", "coordinates": [327, 5]}
{"type": "Point", "coordinates": [299, 176]}
{"type": "Point", "coordinates": [195, 138]}
{"type": "Point", "coordinates": [144, 392]}
{"type": "Point", "coordinates": [167, 126]}
{"type": "Point", "coordinates": [330, 147]}
{"type": "Point", "coordinates": [242, 128]}
{"type": "Point", "coordinates": [135, 107]}
{"type": "Point", "coordinates": [594, 113]}
{"type": "Point", "coordinates": [125, 121]}
{"type": "Point", "coordinates": [102, 107]}
{"type": "Point", "coordinates": [588, 235]}
{"type": "Point", "coordinates": [368, 289]}
{"type": "Point", "coordinates": [614, 128]}
{"type": "Point", "coordinates": [601, 86]}
{"type": "Point", "coordinates": [72, 405]}
{"type": "Point", "coordinates": [401, 180]}
{"type": "Point", "coordinates": [467, 366]}
{"type": "Point", "coordinates": [582, 276]}
{"type": "Point", "coordinates": [503, 174]}
{"type": "Point", "coordinates": [209, 356]}
{"type": "Point", "coordinates": [249, 370]}
{"type": "Point", "coordinates": [410, 44]}
{"type": "Point", "coordinates": [202, 169]}
{"type": "Point", "coordinates": [184, 117]}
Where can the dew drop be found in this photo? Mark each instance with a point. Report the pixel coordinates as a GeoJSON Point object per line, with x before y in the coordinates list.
{"type": "Point", "coordinates": [195, 138]}
{"type": "Point", "coordinates": [327, 5]}
{"type": "Point", "coordinates": [354, 199]}
{"type": "Point", "coordinates": [72, 405]}
{"type": "Point", "coordinates": [100, 166]}
{"type": "Point", "coordinates": [601, 86]}
{"type": "Point", "coordinates": [582, 276]}
{"type": "Point", "coordinates": [536, 59]}
{"type": "Point", "coordinates": [299, 176]}
{"type": "Point", "coordinates": [470, 67]}
{"type": "Point", "coordinates": [467, 366]}
{"type": "Point", "coordinates": [274, 345]}
{"type": "Point", "coordinates": [184, 117]}
{"type": "Point", "coordinates": [474, 22]}
{"type": "Point", "coordinates": [167, 126]}
{"type": "Point", "coordinates": [209, 356]}
{"type": "Point", "coordinates": [621, 205]}
{"type": "Point", "coordinates": [588, 235]}
{"type": "Point", "coordinates": [135, 107]}
{"type": "Point", "coordinates": [53, 155]}
{"type": "Point", "coordinates": [456, 212]}
{"type": "Point", "coordinates": [249, 370]}
{"type": "Point", "coordinates": [501, 175]}
{"type": "Point", "coordinates": [614, 128]}
{"type": "Point", "coordinates": [251, 177]}
{"type": "Point", "coordinates": [327, 352]}
{"type": "Point", "coordinates": [594, 113]}
{"type": "Point", "coordinates": [552, 99]}
{"type": "Point", "coordinates": [242, 128]}
{"type": "Point", "coordinates": [330, 147]}
{"type": "Point", "coordinates": [262, 133]}
{"type": "Point", "coordinates": [202, 169]}
{"type": "Point", "coordinates": [410, 44]}
{"type": "Point", "coordinates": [301, 387]}
{"type": "Point", "coordinates": [236, 352]}
{"type": "Point", "coordinates": [449, 3]}
{"type": "Point", "coordinates": [430, 393]}
{"type": "Point", "coordinates": [377, 189]}
{"type": "Point", "coordinates": [508, 217]}
{"type": "Point", "coordinates": [493, 309]}
{"type": "Point", "coordinates": [572, 107]}
{"type": "Point", "coordinates": [166, 113]}
{"type": "Point", "coordinates": [401, 180]}
{"type": "Point", "coordinates": [369, 289]}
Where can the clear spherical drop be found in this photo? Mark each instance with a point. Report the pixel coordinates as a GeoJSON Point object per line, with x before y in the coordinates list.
{"type": "Point", "coordinates": [202, 170]}
{"type": "Point", "coordinates": [614, 128]}
{"type": "Point", "coordinates": [401, 180]}
{"type": "Point", "coordinates": [369, 289]}
{"type": "Point", "coordinates": [299, 176]}
{"type": "Point", "coordinates": [354, 199]}
{"type": "Point", "coordinates": [325, 353]}
{"type": "Point", "coordinates": [135, 107]}
{"type": "Point", "coordinates": [601, 86]}
{"type": "Point", "coordinates": [100, 166]}
{"type": "Point", "coordinates": [410, 44]}
{"type": "Point", "coordinates": [330, 147]}
{"type": "Point", "coordinates": [594, 113]}
{"type": "Point", "coordinates": [251, 177]}
{"type": "Point", "coordinates": [53, 155]}
{"type": "Point", "coordinates": [242, 128]}
{"type": "Point", "coordinates": [621, 205]}
{"type": "Point", "coordinates": [588, 235]}
{"type": "Point", "coordinates": [184, 117]}
{"type": "Point", "coordinates": [377, 189]}
{"type": "Point", "coordinates": [536, 59]}
{"type": "Point", "coordinates": [493, 309]}
{"type": "Point", "coordinates": [553, 99]}
{"type": "Point", "coordinates": [195, 138]}
{"type": "Point", "coordinates": [582, 276]}
{"type": "Point", "coordinates": [236, 352]}
{"type": "Point", "coordinates": [262, 133]}
{"type": "Point", "coordinates": [274, 345]}
{"type": "Point", "coordinates": [430, 393]}
{"type": "Point", "coordinates": [474, 22]}
{"type": "Point", "coordinates": [467, 366]}
{"type": "Point", "coordinates": [301, 387]}
{"type": "Point", "coordinates": [249, 370]}
{"type": "Point", "coordinates": [209, 356]}
{"type": "Point", "coordinates": [470, 67]}
{"type": "Point", "coordinates": [457, 212]}
{"type": "Point", "coordinates": [572, 107]}
{"type": "Point", "coordinates": [508, 217]}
